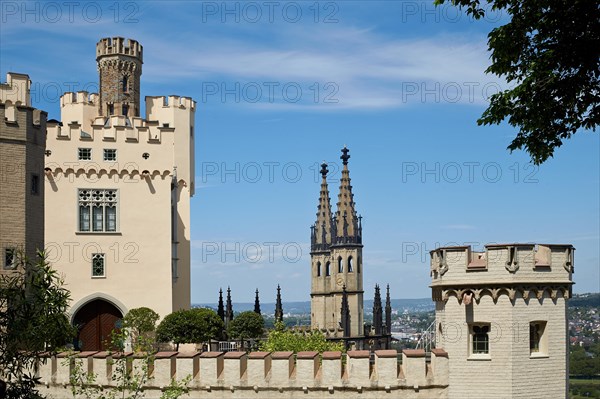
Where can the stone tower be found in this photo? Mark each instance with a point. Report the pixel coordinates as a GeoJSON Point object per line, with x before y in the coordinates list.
{"type": "Point", "coordinates": [120, 67]}
{"type": "Point", "coordinates": [501, 316]}
{"type": "Point", "coordinates": [22, 146]}
{"type": "Point", "coordinates": [336, 259]}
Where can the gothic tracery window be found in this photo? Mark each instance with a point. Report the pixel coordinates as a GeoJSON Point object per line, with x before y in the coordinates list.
{"type": "Point", "coordinates": [98, 210]}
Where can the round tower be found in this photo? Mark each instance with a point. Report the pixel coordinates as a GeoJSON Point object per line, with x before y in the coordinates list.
{"type": "Point", "coordinates": [120, 67]}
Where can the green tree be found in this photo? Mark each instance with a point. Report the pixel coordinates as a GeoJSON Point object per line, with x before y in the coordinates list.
{"type": "Point", "coordinates": [33, 319]}
{"type": "Point", "coordinates": [549, 52]}
{"type": "Point", "coordinates": [142, 323]}
{"type": "Point", "coordinates": [246, 325]}
{"type": "Point", "coordinates": [282, 339]}
{"type": "Point", "coordinates": [189, 326]}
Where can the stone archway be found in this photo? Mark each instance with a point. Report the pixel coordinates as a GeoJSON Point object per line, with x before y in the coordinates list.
{"type": "Point", "coordinates": [95, 321]}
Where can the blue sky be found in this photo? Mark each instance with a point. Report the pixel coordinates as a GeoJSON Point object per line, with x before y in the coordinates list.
{"type": "Point", "coordinates": [282, 86]}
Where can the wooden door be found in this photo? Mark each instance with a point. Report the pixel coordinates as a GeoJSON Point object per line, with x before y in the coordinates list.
{"type": "Point", "coordinates": [95, 321]}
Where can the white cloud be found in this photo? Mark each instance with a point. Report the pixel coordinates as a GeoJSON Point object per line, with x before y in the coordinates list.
{"type": "Point", "coordinates": [368, 70]}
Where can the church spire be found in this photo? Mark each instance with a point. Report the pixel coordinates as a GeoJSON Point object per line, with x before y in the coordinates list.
{"type": "Point", "coordinates": [377, 312]}
{"type": "Point", "coordinates": [388, 312]}
{"type": "Point", "coordinates": [321, 230]}
{"type": "Point", "coordinates": [220, 307]}
{"type": "Point", "coordinates": [256, 303]}
{"type": "Point", "coordinates": [228, 308]}
{"type": "Point", "coordinates": [348, 227]}
{"type": "Point", "coordinates": [278, 306]}
{"type": "Point", "coordinates": [345, 312]}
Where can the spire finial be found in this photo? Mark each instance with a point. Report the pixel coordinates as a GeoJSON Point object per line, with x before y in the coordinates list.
{"type": "Point", "coordinates": [345, 157]}
{"type": "Point", "coordinates": [324, 170]}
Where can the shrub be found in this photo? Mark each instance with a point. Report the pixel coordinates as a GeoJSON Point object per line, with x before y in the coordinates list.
{"type": "Point", "coordinates": [189, 326]}
{"type": "Point", "coordinates": [281, 339]}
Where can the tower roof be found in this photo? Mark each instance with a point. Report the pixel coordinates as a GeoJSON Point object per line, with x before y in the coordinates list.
{"type": "Point", "coordinates": [348, 227]}
{"type": "Point", "coordinates": [321, 234]}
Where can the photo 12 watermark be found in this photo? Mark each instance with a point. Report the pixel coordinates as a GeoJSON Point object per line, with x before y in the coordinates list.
{"type": "Point", "coordinates": [269, 92]}
{"type": "Point", "coordinates": [69, 12]}
{"type": "Point", "coordinates": [254, 12]}
{"type": "Point", "coordinates": [266, 172]}
{"type": "Point", "coordinates": [468, 172]}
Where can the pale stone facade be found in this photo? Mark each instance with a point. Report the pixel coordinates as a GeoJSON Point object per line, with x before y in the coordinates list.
{"type": "Point", "coordinates": [22, 146]}
{"type": "Point", "coordinates": [118, 191]}
{"type": "Point", "coordinates": [516, 296]}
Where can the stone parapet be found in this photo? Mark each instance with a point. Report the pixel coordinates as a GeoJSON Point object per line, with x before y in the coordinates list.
{"type": "Point", "coordinates": [238, 374]}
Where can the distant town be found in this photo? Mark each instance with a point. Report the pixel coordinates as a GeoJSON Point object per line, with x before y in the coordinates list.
{"type": "Point", "coordinates": [412, 317]}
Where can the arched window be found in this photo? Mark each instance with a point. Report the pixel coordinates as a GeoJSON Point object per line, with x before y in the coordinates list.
{"type": "Point", "coordinates": [318, 269]}
{"type": "Point", "coordinates": [350, 267]}
{"type": "Point", "coordinates": [327, 269]}
{"type": "Point", "coordinates": [340, 265]}
{"type": "Point", "coordinates": [125, 79]}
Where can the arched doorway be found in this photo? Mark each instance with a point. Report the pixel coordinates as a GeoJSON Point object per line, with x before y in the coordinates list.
{"type": "Point", "coordinates": [95, 321]}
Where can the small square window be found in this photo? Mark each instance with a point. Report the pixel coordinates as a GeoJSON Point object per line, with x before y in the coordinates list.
{"type": "Point", "coordinates": [480, 339]}
{"type": "Point", "coordinates": [110, 154]}
{"type": "Point", "coordinates": [537, 338]}
{"type": "Point", "coordinates": [35, 184]}
{"type": "Point", "coordinates": [85, 154]}
{"type": "Point", "coordinates": [10, 258]}
{"type": "Point", "coordinates": [98, 265]}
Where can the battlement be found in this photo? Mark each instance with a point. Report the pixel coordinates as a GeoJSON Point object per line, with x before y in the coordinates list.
{"type": "Point", "coordinates": [172, 101]}
{"type": "Point", "coordinates": [264, 374]}
{"type": "Point", "coordinates": [16, 90]}
{"type": "Point", "coordinates": [119, 46]}
{"type": "Point", "coordinates": [508, 268]}
{"type": "Point", "coordinates": [80, 97]}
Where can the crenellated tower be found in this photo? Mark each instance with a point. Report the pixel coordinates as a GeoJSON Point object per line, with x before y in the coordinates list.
{"type": "Point", "coordinates": [336, 260]}
{"type": "Point", "coordinates": [120, 67]}
{"type": "Point", "coordinates": [119, 183]}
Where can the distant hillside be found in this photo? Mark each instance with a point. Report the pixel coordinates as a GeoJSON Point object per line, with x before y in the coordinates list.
{"type": "Point", "coordinates": [401, 305]}
{"type": "Point", "coordinates": [585, 300]}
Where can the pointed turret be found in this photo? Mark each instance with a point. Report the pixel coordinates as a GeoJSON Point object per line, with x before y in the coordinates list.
{"type": "Point", "coordinates": [321, 231]}
{"type": "Point", "coordinates": [278, 306]}
{"type": "Point", "coordinates": [228, 308]}
{"type": "Point", "coordinates": [377, 312]}
{"type": "Point", "coordinates": [345, 312]}
{"type": "Point", "coordinates": [348, 226]}
{"type": "Point", "coordinates": [388, 312]}
{"type": "Point", "coordinates": [221, 307]}
{"type": "Point", "coordinates": [256, 303]}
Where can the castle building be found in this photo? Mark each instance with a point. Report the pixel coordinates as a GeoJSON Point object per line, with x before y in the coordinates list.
{"type": "Point", "coordinates": [336, 260]}
{"type": "Point", "coordinates": [501, 317]}
{"type": "Point", "coordinates": [22, 146]}
{"type": "Point", "coordinates": [118, 190]}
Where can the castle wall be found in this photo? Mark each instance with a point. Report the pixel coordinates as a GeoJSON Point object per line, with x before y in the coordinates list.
{"type": "Point", "coordinates": [275, 375]}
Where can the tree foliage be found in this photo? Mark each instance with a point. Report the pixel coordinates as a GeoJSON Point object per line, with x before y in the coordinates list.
{"type": "Point", "coordinates": [33, 320]}
{"type": "Point", "coordinates": [585, 364]}
{"type": "Point", "coordinates": [282, 339]}
{"type": "Point", "coordinates": [246, 325]}
{"type": "Point", "coordinates": [550, 53]}
{"type": "Point", "coordinates": [189, 326]}
{"type": "Point", "coordinates": [141, 323]}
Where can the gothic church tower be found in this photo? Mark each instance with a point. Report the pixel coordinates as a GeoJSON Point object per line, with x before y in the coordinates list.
{"type": "Point", "coordinates": [336, 261]}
